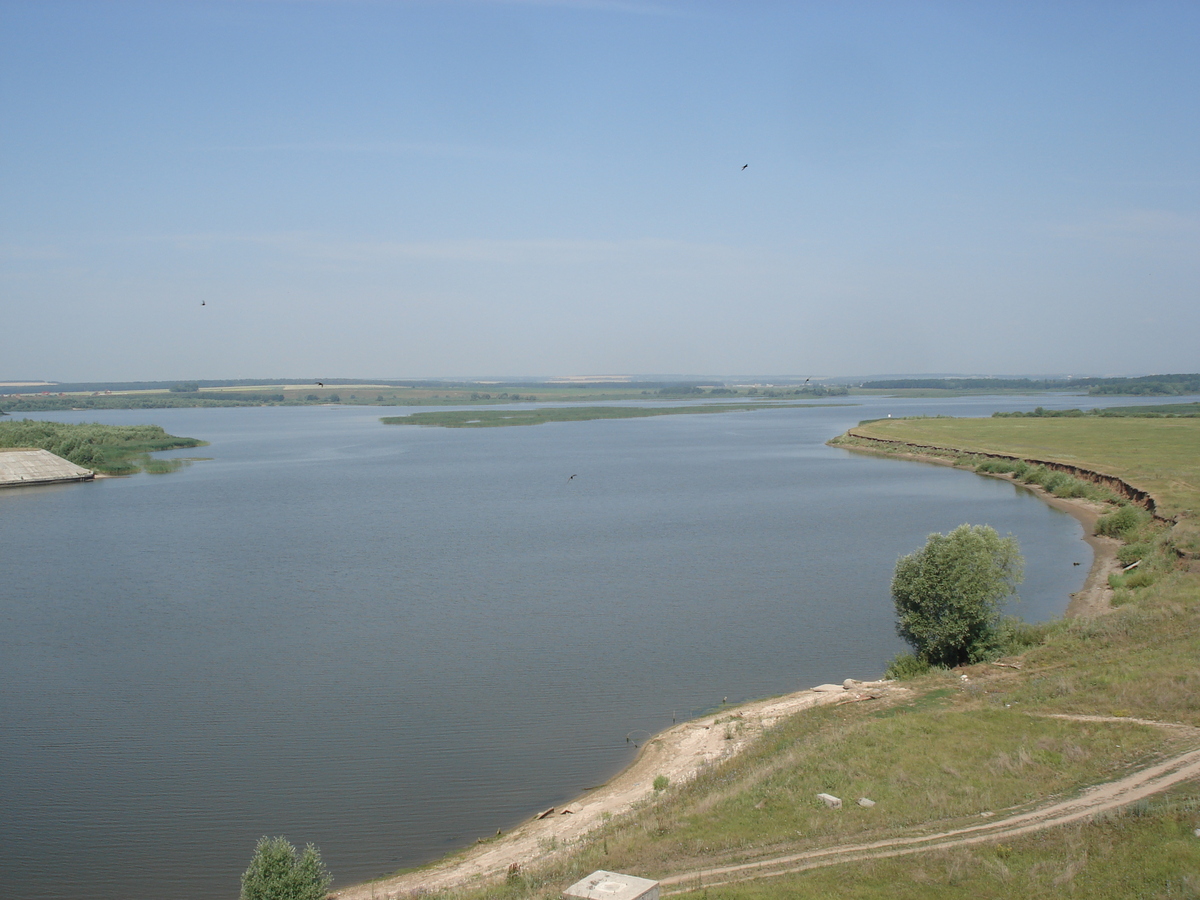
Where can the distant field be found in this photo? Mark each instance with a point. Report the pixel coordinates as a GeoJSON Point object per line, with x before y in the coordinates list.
{"type": "Point", "coordinates": [499, 418]}
{"type": "Point", "coordinates": [1112, 446]}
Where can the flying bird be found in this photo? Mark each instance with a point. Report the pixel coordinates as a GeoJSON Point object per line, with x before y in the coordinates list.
{"type": "Point", "coordinates": [570, 478]}
{"type": "Point", "coordinates": [745, 167]}
{"type": "Point", "coordinates": [320, 384]}
{"type": "Point", "coordinates": [202, 303]}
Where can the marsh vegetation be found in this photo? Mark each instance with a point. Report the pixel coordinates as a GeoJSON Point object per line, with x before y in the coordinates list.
{"type": "Point", "coordinates": [108, 449]}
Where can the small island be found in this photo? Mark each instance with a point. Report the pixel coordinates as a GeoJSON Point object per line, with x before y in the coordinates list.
{"type": "Point", "coordinates": [499, 418]}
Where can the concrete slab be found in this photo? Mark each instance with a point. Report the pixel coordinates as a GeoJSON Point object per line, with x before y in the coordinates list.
{"type": "Point", "coordinates": [21, 467]}
{"type": "Point", "coordinates": [602, 885]}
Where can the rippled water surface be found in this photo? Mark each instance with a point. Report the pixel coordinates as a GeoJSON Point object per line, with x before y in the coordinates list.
{"type": "Point", "coordinates": [389, 641]}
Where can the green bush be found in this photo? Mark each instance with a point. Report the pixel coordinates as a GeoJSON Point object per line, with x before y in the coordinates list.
{"type": "Point", "coordinates": [1014, 636]}
{"type": "Point", "coordinates": [1138, 578]}
{"type": "Point", "coordinates": [278, 872]}
{"type": "Point", "coordinates": [1131, 553]}
{"type": "Point", "coordinates": [661, 782]}
{"type": "Point", "coordinates": [1122, 523]}
{"type": "Point", "coordinates": [905, 665]}
{"type": "Point", "coordinates": [1016, 467]}
{"type": "Point", "coordinates": [948, 594]}
{"type": "Point", "coordinates": [1036, 475]}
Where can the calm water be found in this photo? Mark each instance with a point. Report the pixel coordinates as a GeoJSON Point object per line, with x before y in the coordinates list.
{"type": "Point", "coordinates": [390, 641]}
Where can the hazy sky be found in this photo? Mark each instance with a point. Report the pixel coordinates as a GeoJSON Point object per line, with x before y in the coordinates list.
{"type": "Point", "coordinates": [389, 188]}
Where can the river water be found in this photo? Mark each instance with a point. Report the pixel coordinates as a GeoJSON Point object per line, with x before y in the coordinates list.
{"type": "Point", "coordinates": [389, 641]}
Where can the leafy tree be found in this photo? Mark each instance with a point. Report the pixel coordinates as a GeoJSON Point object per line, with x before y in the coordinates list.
{"type": "Point", "coordinates": [948, 594]}
{"type": "Point", "coordinates": [277, 872]}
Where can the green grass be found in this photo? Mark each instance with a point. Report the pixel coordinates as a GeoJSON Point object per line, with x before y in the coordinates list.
{"type": "Point", "coordinates": [1148, 851]}
{"type": "Point", "coordinates": [930, 765]}
{"type": "Point", "coordinates": [497, 418]}
{"type": "Point", "coordinates": [109, 449]}
{"type": "Point", "coordinates": [1160, 456]}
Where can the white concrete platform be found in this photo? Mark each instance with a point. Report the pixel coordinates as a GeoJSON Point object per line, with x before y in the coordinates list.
{"type": "Point", "coordinates": [20, 467]}
{"type": "Point", "coordinates": [602, 885]}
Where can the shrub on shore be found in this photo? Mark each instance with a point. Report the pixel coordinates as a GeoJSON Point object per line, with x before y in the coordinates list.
{"type": "Point", "coordinates": [1060, 484]}
{"type": "Point", "coordinates": [948, 594]}
{"type": "Point", "coordinates": [1122, 523]}
{"type": "Point", "coordinates": [278, 872]}
{"type": "Point", "coordinates": [906, 665]}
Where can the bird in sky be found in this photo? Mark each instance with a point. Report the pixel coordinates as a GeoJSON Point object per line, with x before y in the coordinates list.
{"type": "Point", "coordinates": [320, 384]}
{"type": "Point", "coordinates": [806, 381]}
{"type": "Point", "coordinates": [202, 303]}
{"type": "Point", "coordinates": [745, 167]}
{"type": "Point", "coordinates": [570, 478]}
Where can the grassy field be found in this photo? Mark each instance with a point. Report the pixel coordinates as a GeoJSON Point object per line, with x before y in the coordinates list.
{"type": "Point", "coordinates": [1147, 852]}
{"type": "Point", "coordinates": [1160, 456]}
{"type": "Point", "coordinates": [964, 747]}
{"type": "Point", "coordinates": [497, 418]}
{"type": "Point", "coordinates": [109, 449]}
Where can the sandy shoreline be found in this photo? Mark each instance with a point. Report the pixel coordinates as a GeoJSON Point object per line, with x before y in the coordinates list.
{"type": "Point", "coordinates": [684, 749]}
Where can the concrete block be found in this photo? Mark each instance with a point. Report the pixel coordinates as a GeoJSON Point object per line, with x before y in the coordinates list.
{"type": "Point", "coordinates": [865, 803]}
{"type": "Point", "coordinates": [602, 885]}
{"type": "Point", "coordinates": [829, 800]}
{"type": "Point", "coordinates": [22, 467]}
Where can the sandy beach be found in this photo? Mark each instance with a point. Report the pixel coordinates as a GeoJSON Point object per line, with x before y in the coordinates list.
{"type": "Point", "coordinates": [682, 751]}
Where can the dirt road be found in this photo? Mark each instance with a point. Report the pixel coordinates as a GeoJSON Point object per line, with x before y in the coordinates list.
{"type": "Point", "coordinates": [1092, 802]}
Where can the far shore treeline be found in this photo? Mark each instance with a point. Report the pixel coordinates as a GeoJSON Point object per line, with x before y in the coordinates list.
{"type": "Point", "coordinates": [44, 397]}
{"type": "Point", "coordinates": [1142, 386]}
{"type": "Point", "coordinates": [281, 392]}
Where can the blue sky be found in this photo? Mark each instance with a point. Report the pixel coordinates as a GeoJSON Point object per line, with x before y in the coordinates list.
{"type": "Point", "coordinates": [407, 189]}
